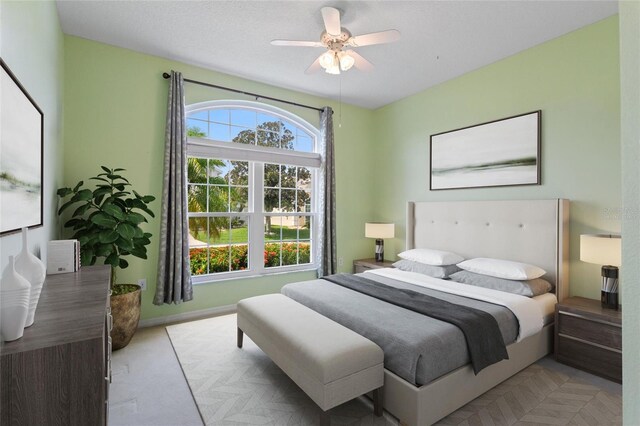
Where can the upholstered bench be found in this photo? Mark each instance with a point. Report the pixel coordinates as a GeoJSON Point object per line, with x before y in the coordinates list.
{"type": "Point", "coordinates": [329, 362]}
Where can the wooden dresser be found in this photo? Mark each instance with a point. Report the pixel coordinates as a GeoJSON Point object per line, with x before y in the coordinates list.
{"type": "Point", "coordinates": [589, 337]}
{"type": "Point", "coordinates": [58, 373]}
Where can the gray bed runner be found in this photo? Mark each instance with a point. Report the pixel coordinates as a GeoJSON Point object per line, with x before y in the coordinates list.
{"type": "Point", "coordinates": [481, 330]}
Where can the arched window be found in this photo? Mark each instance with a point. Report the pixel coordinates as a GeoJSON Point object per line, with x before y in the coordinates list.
{"type": "Point", "coordinates": [252, 190]}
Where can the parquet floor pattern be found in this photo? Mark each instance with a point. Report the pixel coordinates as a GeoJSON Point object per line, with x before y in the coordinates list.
{"type": "Point", "coordinates": [540, 396]}
{"type": "Point", "coordinates": [234, 386]}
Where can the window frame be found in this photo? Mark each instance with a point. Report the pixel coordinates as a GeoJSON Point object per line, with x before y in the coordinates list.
{"type": "Point", "coordinates": [211, 148]}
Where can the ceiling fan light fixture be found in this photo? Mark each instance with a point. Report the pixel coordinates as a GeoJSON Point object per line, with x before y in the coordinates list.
{"type": "Point", "coordinates": [346, 61]}
{"type": "Point", "coordinates": [334, 69]}
{"type": "Point", "coordinates": [327, 59]}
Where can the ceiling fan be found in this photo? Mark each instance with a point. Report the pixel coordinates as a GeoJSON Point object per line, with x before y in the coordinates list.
{"type": "Point", "coordinates": [335, 39]}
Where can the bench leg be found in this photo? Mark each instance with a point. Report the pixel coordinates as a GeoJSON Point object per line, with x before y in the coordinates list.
{"type": "Point", "coordinates": [377, 402]}
{"type": "Point", "coordinates": [240, 335]}
{"type": "Point", "coordinates": [325, 418]}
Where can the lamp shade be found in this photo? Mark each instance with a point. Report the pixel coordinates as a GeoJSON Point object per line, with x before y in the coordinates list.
{"type": "Point", "coordinates": [379, 230]}
{"type": "Point", "coordinates": [602, 249]}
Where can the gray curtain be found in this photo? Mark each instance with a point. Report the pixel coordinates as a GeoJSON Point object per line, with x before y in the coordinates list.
{"type": "Point", "coordinates": [328, 252]}
{"type": "Point", "coordinates": [174, 277]}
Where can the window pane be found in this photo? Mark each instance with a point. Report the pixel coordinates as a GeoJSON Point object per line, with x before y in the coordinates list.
{"type": "Point", "coordinates": [304, 178]}
{"type": "Point", "coordinates": [288, 128]}
{"type": "Point", "coordinates": [199, 261]}
{"type": "Point", "coordinates": [289, 254]}
{"type": "Point", "coordinates": [243, 118]}
{"type": "Point", "coordinates": [218, 199]}
{"type": "Point", "coordinates": [272, 225]}
{"type": "Point", "coordinates": [287, 140]}
{"type": "Point", "coordinates": [272, 175]}
{"type": "Point", "coordinates": [240, 243]}
{"type": "Point", "coordinates": [304, 252]}
{"type": "Point", "coordinates": [239, 199]}
{"type": "Point", "coordinates": [304, 227]}
{"type": "Point", "coordinates": [198, 232]}
{"type": "Point", "coordinates": [197, 128]}
{"type": "Point", "coordinates": [272, 254]}
{"type": "Point", "coordinates": [268, 138]}
{"type": "Point", "coordinates": [219, 230]}
{"type": "Point", "coordinates": [264, 118]}
{"type": "Point", "coordinates": [196, 170]}
{"type": "Point", "coordinates": [290, 225]}
{"type": "Point", "coordinates": [219, 132]}
{"type": "Point", "coordinates": [288, 176]}
{"type": "Point", "coordinates": [238, 173]}
{"type": "Point", "coordinates": [217, 171]}
{"type": "Point", "coordinates": [304, 143]}
{"type": "Point", "coordinates": [239, 257]}
{"type": "Point", "coordinates": [287, 200]}
{"type": "Point", "coordinates": [271, 200]}
{"type": "Point", "coordinates": [200, 115]}
{"type": "Point", "coordinates": [219, 115]}
{"type": "Point", "coordinates": [197, 198]}
{"type": "Point", "coordinates": [242, 135]}
{"type": "Point", "coordinates": [219, 258]}
{"type": "Point", "coordinates": [303, 203]}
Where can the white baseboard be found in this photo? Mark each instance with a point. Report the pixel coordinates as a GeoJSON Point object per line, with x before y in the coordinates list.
{"type": "Point", "coordinates": [188, 316]}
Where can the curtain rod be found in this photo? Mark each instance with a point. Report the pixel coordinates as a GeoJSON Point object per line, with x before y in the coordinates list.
{"type": "Point", "coordinates": [255, 95]}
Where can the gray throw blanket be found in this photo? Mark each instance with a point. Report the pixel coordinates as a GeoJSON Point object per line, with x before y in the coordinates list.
{"type": "Point", "coordinates": [480, 329]}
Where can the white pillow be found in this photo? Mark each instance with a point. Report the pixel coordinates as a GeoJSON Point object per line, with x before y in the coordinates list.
{"type": "Point", "coordinates": [431, 257]}
{"type": "Point", "coordinates": [502, 268]}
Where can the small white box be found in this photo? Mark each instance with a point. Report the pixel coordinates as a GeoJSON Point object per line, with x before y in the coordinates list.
{"type": "Point", "coordinates": [63, 256]}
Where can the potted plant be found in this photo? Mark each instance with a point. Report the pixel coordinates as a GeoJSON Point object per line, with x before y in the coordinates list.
{"type": "Point", "coordinates": [106, 222]}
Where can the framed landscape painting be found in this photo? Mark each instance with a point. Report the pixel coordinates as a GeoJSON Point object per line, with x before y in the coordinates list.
{"type": "Point", "coordinates": [21, 147]}
{"type": "Point", "coordinates": [498, 153]}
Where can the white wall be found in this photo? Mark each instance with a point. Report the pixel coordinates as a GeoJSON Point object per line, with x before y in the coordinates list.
{"type": "Point", "coordinates": [31, 44]}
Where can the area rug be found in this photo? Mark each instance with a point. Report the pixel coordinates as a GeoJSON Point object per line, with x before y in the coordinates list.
{"type": "Point", "coordinates": [234, 386]}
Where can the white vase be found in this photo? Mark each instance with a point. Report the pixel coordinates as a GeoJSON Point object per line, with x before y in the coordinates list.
{"type": "Point", "coordinates": [31, 268]}
{"type": "Point", "coordinates": [14, 302]}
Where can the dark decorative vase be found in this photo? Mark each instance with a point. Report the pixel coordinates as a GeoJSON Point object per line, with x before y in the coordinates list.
{"type": "Point", "coordinates": [125, 309]}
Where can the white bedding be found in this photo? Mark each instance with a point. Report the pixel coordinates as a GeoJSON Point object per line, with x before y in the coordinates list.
{"type": "Point", "coordinates": [530, 312]}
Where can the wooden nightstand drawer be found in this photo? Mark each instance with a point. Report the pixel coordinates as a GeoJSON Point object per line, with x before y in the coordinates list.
{"type": "Point", "coordinates": [600, 361]}
{"type": "Point", "coordinates": [362, 265]}
{"type": "Point", "coordinates": [589, 337]}
{"type": "Point", "coordinates": [361, 268]}
{"type": "Point", "coordinates": [599, 332]}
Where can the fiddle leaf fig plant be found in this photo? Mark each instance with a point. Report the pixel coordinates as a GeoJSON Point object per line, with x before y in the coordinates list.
{"type": "Point", "coordinates": [106, 220]}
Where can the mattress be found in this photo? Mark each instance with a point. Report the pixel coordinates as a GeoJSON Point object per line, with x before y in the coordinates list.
{"type": "Point", "coordinates": [417, 348]}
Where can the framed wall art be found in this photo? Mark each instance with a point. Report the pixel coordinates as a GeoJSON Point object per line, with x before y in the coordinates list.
{"type": "Point", "coordinates": [21, 154]}
{"type": "Point", "coordinates": [498, 153]}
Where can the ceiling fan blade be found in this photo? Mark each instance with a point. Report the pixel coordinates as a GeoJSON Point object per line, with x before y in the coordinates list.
{"type": "Point", "coordinates": [314, 67]}
{"type": "Point", "coordinates": [380, 37]}
{"type": "Point", "coordinates": [296, 43]}
{"type": "Point", "coordinates": [331, 18]}
{"type": "Point", "coordinates": [360, 63]}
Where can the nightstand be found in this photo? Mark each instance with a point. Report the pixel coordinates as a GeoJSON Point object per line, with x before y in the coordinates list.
{"type": "Point", "coordinates": [589, 337]}
{"type": "Point", "coordinates": [361, 265]}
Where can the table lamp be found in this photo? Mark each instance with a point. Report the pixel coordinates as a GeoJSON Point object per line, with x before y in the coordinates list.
{"type": "Point", "coordinates": [379, 231]}
{"type": "Point", "coordinates": [604, 249]}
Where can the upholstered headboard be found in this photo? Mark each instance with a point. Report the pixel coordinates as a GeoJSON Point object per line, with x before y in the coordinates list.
{"type": "Point", "coordinates": [530, 231]}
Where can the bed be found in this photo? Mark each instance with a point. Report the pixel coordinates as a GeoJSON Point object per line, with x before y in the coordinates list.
{"type": "Point", "coordinates": [425, 383]}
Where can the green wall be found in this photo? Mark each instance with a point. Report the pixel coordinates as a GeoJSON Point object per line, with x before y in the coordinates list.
{"type": "Point", "coordinates": [630, 129]}
{"type": "Point", "coordinates": [31, 43]}
{"type": "Point", "coordinates": [115, 102]}
{"type": "Point", "coordinates": [574, 80]}
{"type": "Point", "coordinates": [115, 108]}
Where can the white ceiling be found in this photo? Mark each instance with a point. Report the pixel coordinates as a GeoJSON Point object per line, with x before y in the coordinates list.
{"type": "Point", "coordinates": [440, 39]}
